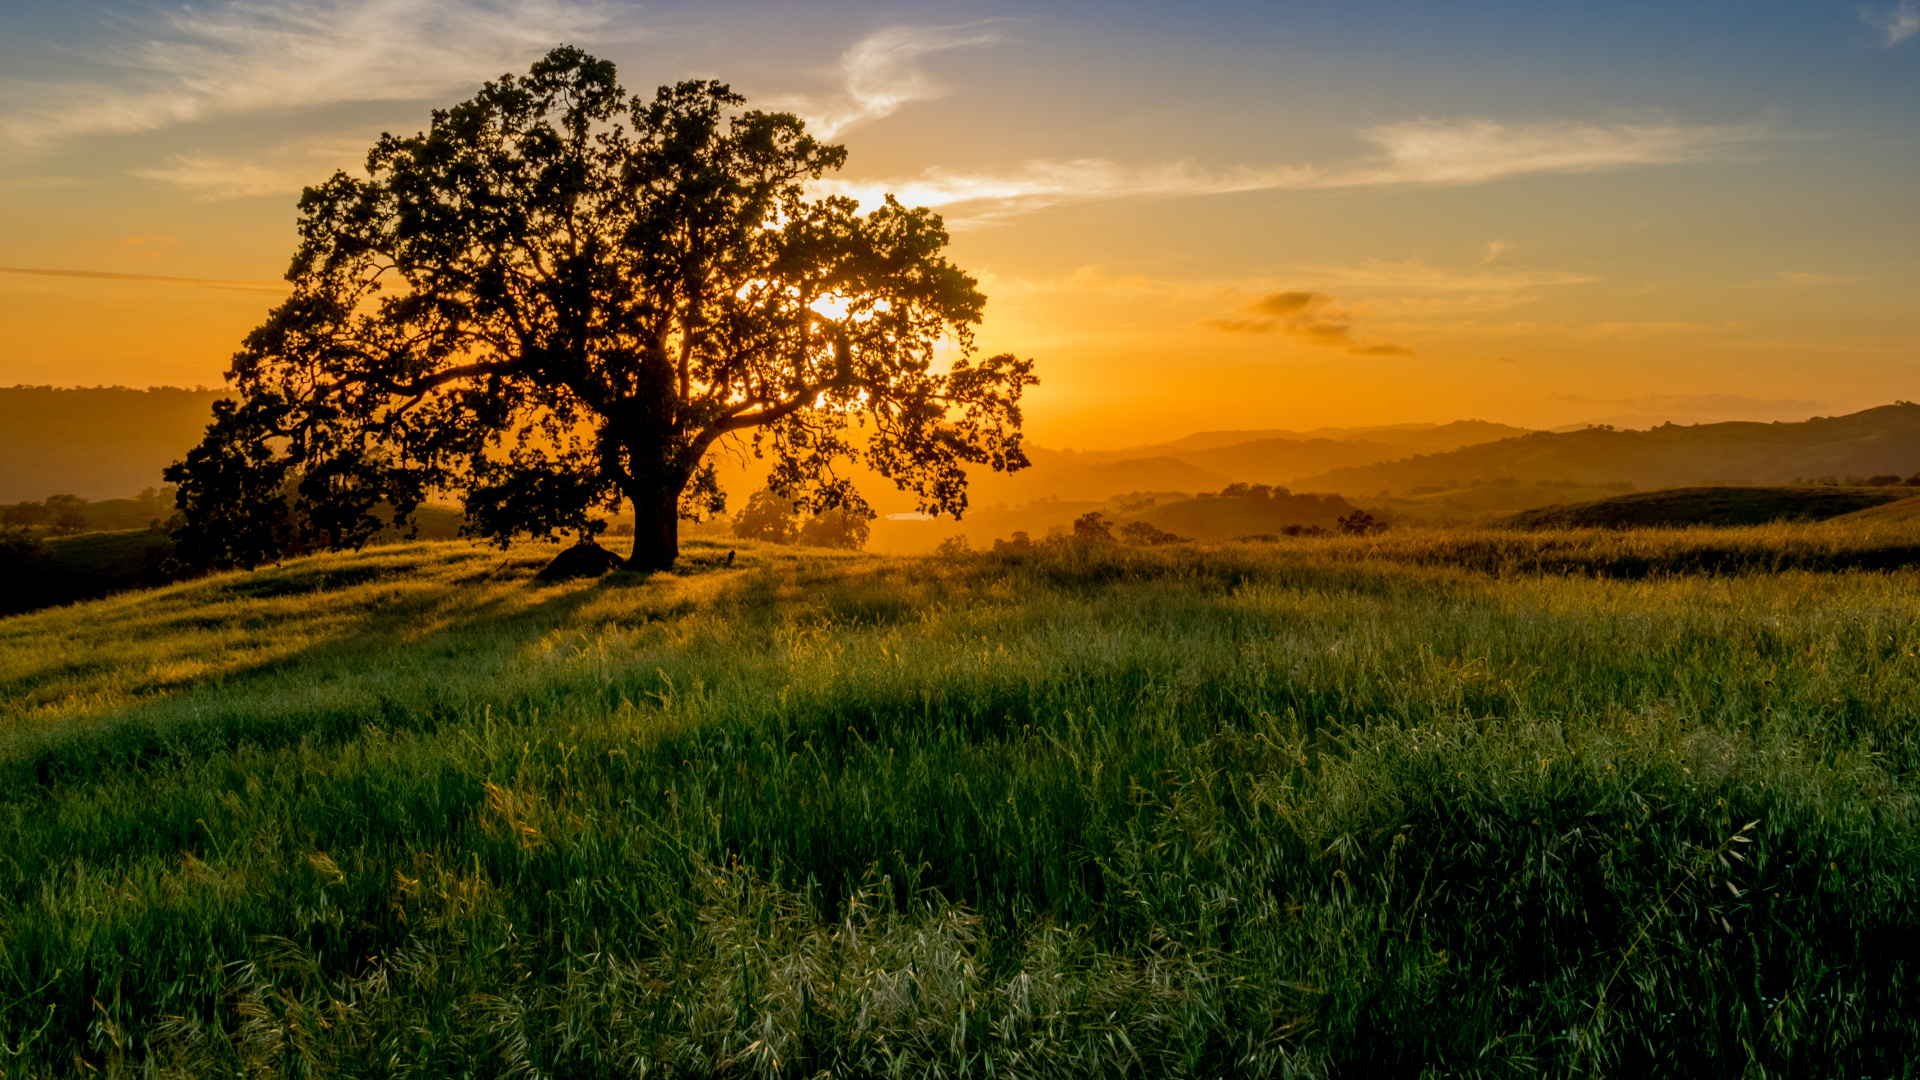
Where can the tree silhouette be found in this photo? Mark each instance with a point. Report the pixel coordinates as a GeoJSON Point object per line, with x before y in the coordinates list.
{"type": "Point", "coordinates": [1360, 523]}
{"type": "Point", "coordinates": [559, 298]}
{"type": "Point", "coordinates": [26, 515]}
{"type": "Point", "coordinates": [1148, 534]}
{"type": "Point", "coordinates": [1092, 527]}
{"type": "Point", "coordinates": [836, 528]}
{"type": "Point", "coordinates": [768, 517]}
{"type": "Point", "coordinates": [69, 514]}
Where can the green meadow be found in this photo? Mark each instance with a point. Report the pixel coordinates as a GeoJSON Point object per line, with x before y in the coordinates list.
{"type": "Point", "coordinates": [1474, 803]}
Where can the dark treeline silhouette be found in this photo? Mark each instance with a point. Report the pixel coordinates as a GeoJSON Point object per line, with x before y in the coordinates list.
{"type": "Point", "coordinates": [65, 515]}
{"type": "Point", "coordinates": [776, 520]}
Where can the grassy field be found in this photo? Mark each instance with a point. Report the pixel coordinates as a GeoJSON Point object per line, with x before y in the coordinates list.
{"type": "Point", "coordinates": [1690, 506]}
{"type": "Point", "coordinates": [1501, 804]}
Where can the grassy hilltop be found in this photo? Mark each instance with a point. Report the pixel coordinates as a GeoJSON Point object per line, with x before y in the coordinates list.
{"type": "Point", "coordinates": [1688, 506]}
{"type": "Point", "coordinates": [1501, 803]}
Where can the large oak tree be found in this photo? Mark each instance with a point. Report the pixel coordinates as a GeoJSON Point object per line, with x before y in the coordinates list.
{"type": "Point", "coordinates": [559, 297]}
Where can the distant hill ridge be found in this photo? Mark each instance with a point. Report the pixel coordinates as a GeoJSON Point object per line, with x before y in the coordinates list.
{"type": "Point", "coordinates": [112, 442]}
{"type": "Point", "coordinates": [103, 442]}
{"type": "Point", "coordinates": [1424, 438]}
{"type": "Point", "coordinates": [1882, 441]}
{"type": "Point", "coordinates": [1210, 460]}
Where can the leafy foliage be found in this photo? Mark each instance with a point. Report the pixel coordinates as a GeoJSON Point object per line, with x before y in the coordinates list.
{"type": "Point", "coordinates": [1145, 532]}
{"type": "Point", "coordinates": [1360, 523]}
{"type": "Point", "coordinates": [766, 517]}
{"type": "Point", "coordinates": [1092, 527]}
{"type": "Point", "coordinates": [559, 298]}
{"type": "Point", "coordinates": [773, 519]}
{"type": "Point", "coordinates": [836, 528]}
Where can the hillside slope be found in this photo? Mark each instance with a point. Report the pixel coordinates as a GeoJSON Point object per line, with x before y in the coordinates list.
{"type": "Point", "coordinates": [1255, 457]}
{"type": "Point", "coordinates": [1330, 808]}
{"type": "Point", "coordinates": [1879, 441]}
{"type": "Point", "coordinates": [1680, 507]}
{"type": "Point", "coordinates": [1223, 518]}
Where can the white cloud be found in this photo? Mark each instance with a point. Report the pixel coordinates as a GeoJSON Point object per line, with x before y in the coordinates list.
{"type": "Point", "coordinates": [1476, 151]}
{"type": "Point", "coordinates": [1898, 22]}
{"type": "Point", "coordinates": [242, 56]}
{"type": "Point", "coordinates": [1039, 184]}
{"type": "Point", "coordinates": [279, 170]}
{"type": "Point", "coordinates": [1430, 152]}
{"type": "Point", "coordinates": [879, 74]}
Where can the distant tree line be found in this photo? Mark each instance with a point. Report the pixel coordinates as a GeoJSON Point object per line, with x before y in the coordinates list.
{"type": "Point", "coordinates": [1880, 480]}
{"type": "Point", "coordinates": [775, 520]}
{"type": "Point", "coordinates": [65, 515]}
{"type": "Point", "coordinates": [1091, 529]}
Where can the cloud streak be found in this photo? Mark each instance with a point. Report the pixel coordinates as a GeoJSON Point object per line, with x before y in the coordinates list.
{"type": "Point", "coordinates": [1414, 152]}
{"type": "Point", "coordinates": [1898, 23]}
{"type": "Point", "coordinates": [242, 56]}
{"type": "Point", "coordinates": [1417, 275]}
{"type": "Point", "coordinates": [880, 73]}
{"type": "Point", "coordinates": [260, 288]}
{"type": "Point", "coordinates": [1309, 317]}
{"type": "Point", "coordinates": [277, 170]}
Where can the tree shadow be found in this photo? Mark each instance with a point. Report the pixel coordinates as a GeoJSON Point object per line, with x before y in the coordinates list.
{"type": "Point", "coordinates": [393, 653]}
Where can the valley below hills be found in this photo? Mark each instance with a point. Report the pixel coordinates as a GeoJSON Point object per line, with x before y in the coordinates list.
{"type": "Point", "coordinates": [109, 443]}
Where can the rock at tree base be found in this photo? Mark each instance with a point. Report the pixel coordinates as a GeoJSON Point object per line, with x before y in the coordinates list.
{"type": "Point", "coordinates": [578, 561]}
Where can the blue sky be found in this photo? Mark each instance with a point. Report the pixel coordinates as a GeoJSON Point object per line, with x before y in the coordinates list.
{"type": "Point", "coordinates": [1531, 212]}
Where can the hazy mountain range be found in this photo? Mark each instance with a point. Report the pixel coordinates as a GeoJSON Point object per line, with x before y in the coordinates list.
{"type": "Point", "coordinates": [1879, 441]}
{"type": "Point", "coordinates": [106, 443]}
{"type": "Point", "coordinates": [1210, 460]}
{"type": "Point", "coordinates": [98, 442]}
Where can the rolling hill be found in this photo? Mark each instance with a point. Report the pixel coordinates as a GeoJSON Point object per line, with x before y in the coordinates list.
{"type": "Point", "coordinates": [1681, 507]}
{"type": "Point", "coordinates": [1401, 438]}
{"type": "Point", "coordinates": [1874, 442]}
{"type": "Point", "coordinates": [1224, 519]}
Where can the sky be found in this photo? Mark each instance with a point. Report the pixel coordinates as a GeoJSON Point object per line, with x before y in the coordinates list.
{"type": "Point", "coordinates": [1192, 217]}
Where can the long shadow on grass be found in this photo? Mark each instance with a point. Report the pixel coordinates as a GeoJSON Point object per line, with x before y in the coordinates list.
{"type": "Point", "coordinates": [225, 713]}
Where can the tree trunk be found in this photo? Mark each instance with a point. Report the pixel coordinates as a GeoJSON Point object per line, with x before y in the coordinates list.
{"type": "Point", "coordinates": [656, 531]}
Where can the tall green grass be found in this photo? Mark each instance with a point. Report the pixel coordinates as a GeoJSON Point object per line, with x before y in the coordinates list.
{"type": "Point", "coordinates": [1405, 806]}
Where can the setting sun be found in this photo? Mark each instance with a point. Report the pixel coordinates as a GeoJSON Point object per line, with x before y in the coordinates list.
{"type": "Point", "coordinates": [828, 541]}
{"type": "Point", "coordinates": [1692, 218]}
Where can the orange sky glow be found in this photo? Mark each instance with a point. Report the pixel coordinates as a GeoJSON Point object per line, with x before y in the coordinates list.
{"type": "Point", "coordinates": [1243, 219]}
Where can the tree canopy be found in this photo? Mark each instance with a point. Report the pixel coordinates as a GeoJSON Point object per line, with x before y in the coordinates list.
{"type": "Point", "coordinates": [560, 297]}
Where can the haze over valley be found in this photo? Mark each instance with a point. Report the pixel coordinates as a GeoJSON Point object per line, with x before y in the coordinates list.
{"type": "Point", "coordinates": [111, 444]}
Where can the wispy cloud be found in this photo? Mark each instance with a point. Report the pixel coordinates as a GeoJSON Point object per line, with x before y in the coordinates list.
{"type": "Point", "coordinates": [1426, 152]}
{"type": "Point", "coordinates": [1799, 280]}
{"type": "Point", "coordinates": [1418, 275]}
{"type": "Point", "coordinates": [1310, 317]}
{"type": "Point", "coordinates": [261, 288]}
{"type": "Point", "coordinates": [1578, 331]}
{"type": "Point", "coordinates": [278, 170]}
{"type": "Point", "coordinates": [1036, 185]}
{"type": "Point", "coordinates": [1898, 22]}
{"type": "Point", "coordinates": [880, 73]}
{"type": "Point", "coordinates": [1476, 151]}
{"type": "Point", "coordinates": [241, 56]}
